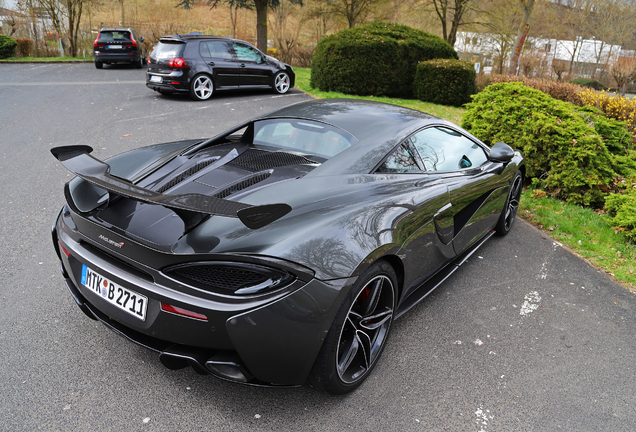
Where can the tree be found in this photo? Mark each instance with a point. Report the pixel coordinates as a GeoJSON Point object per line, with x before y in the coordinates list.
{"type": "Point", "coordinates": [623, 71]}
{"type": "Point", "coordinates": [451, 14]}
{"type": "Point", "coordinates": [355, 12]}
{"type": "Point", "coordinates": [524, 27]}
{"type": "Point", "coordinates": [261, 14]}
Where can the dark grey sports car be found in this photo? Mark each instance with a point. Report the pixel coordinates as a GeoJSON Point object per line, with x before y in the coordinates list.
{"type": "Point", "coordinates": [281, 250]}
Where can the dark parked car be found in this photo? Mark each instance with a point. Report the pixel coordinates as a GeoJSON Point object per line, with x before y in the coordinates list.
{"type": "Point", "coordinates": [201, 65]}
{"type": "Point", "coordinates": [119, 45]}
{"type": "Point", "coordinates": [282, 249]}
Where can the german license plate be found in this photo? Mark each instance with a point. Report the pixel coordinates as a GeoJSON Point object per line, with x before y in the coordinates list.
{"type": "Point", "coordinates": [123, 298]}
{"type": "Point", "coordinates": [155, 78]}
{"type": "Point", "coordinates": [115, 46]}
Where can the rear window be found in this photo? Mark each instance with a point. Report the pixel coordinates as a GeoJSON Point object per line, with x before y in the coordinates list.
{"type": "Point", "coordinates": [304, 136]}
{"type": "Point", "coordinates": [114, 36]}
{"type": "Point", "coordinates": [166, 50]}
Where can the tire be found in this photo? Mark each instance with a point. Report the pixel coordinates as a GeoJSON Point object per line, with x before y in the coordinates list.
{"type": "Point", "coordinates": [282, 83]}
{"type": "Point", "coordinates": [201, 87]}
{"type": "Point", "coordinates": [99, 65]}
{"type": "Point", "coordinates": [509, 212]}
{"type": "Point", "coordinates": [359, 332]}
{"type": "Point", "coordinates": [139, 63]}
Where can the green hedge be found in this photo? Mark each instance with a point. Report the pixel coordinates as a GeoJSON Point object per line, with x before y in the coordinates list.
{"type": "Point", "coordinates": [374, 59]}
{"type": "Point", "coordinates": [588, 82]}
{"type": "Point", "coordinates": [445, 82]}
{"type": "Point", "coordinates": [566, 147]}
{"type": "Point", "coordinates": [7, 46]}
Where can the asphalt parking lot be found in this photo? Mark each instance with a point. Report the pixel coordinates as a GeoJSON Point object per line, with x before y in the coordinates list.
{"type": "Point", "coordinates": [525, 336]}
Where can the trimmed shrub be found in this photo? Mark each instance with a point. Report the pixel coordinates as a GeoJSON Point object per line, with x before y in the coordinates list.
{"type": "Point", "coordinates": [24, 47]}
{"type": "Point", "coordinates": [374, 59]}
{"type": "Point", "coordinates": [564, 150]}
{"type": "Point", "coordinates": [445, 82]}
{"type": "Point", "coordinates": [564, 91]}
{"type": "Point", "coordinates": [588, 82]}
{"type": "Point", "coordinates": [7, 46]}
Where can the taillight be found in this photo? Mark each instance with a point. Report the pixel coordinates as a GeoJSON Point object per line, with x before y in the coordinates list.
{"type": "Point", "coordinates": [178, 62]}
{"type": "Point", "coordinates": [134, 42]}
{"type": "Point", "coordinates": [96, 45]}
{"type": "Point", "coordinates": [67, 253]}
{"type": "Point", "coordinates": [183, 312]}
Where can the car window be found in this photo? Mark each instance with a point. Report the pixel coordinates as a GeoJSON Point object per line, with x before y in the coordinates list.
{"type": "Point", "coordinates": [114, 36]}
{"type": "Point", "coordinates": [166, 50]}
{"type": "Point", "coordinates": [247, 53]}
{"type": "Point", "coordinates": [400, 161]}
{"type": "Point", "coordinates": [305, 136]}
{"type": "Point", "coordinates": [443, 149]}
{"type": "Point", "coordinates": [215, 49]}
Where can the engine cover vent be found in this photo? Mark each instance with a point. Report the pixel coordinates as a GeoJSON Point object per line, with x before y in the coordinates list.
{"type": "Point", "coordinates": [261, 159]}
{"type": "Point", "coordinates": [243, 184]}
{"type": "Point", "coordinates": [185, 174]}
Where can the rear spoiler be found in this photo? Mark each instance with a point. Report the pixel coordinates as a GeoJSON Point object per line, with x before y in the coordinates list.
{"type": "Point", "coordinates": [192, 208]}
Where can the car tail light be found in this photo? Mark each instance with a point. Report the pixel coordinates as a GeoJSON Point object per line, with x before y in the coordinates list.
{"type": "Point", "coordinates": [178, 62]}
{"type": "Point", "coordinates": [183, 312]}
{"type": "Point", "coordinates": [97, 45]}
{"type": "Point", "coordinates": [231, 277]}
{"type": "Point", "coordinates": [134, 42]}
{"type": "Point", "coordinates": [67, 253]}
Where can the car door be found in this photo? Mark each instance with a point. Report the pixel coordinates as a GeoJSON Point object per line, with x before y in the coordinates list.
{"type": "Point", "coordinates": [423, 228]}
{"type": "Point", "coordinates": [255, 70]}
{"type": "Point", "coordinates": [477, 190]}
{"type": "Point", "coordinates": [219, 58]}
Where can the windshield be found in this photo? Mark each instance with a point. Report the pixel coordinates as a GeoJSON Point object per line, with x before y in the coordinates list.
{"type": "Point", "coordinates": [166, 50]}
{"type": "Point", "coordinates": [304, 136]}
{"type": "Point", "coordinates": [114, 36]}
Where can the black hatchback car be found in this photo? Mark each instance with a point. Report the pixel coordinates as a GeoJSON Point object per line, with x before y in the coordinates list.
{"type": "Point", "coordinates": [119, 45]}
{"type": "Point", "coordinates": [201, 65]}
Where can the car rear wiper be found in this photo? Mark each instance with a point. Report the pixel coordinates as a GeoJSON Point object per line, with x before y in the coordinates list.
{"type": "Point", "coordinates": [192, 208]}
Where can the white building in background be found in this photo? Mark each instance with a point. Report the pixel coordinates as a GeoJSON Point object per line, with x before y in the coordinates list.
{"type": "Point", "coordinates": [540, 56]}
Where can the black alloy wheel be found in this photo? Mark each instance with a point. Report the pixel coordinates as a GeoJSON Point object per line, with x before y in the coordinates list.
{"type": "Point", "coordinates": [282, 83]}
{"type": "Point", "coordinates": [359, 333]}
{"type": "Point", "coordinates": [201, 87]}
{"type": "Point", "coordinates": [509, 212]}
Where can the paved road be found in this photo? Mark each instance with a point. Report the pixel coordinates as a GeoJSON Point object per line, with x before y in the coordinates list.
{"type": "Point", "coordinates": [524, 337]}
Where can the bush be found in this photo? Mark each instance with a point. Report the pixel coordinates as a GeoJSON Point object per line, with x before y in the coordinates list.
{"type": "Point", "coordinates": [614, 106]}
{"type": "Point", "coordinates": [622, 208]}
{"type": "Point", "coordinates": [564, 91]}
{"type": "Point", "coordinates": [24, 47]}
{"type": "Point", "coordinates": [445, 82]}
{"type": "Point", "coordinates": [374, 59]}
{"type": "Point", "coordinates": [588, 82]}
{"type": "Point", "coordinates": [7, 47]}
{"type": "Point", "coordinates": [564, 150]}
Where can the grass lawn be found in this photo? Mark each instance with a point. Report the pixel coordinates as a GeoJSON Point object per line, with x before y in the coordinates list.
{"type": "Point", "coordinates": [45, 59]}
{"type": "Point", "coordinates": [586, 232]}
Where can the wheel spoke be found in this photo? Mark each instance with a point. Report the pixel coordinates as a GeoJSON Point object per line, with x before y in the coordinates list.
{"type": "Point", "coordinates": [371, 301]}
{"type": "Point", "coordinates": [373, 322]}
{"type": "Point", "coordinates": [348, 348]}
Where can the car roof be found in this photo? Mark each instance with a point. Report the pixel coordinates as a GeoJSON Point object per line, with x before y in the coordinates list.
{"type": "Point", "coordinates": [115, 29]}
{"type": "Point", "coordinates": [378, 127]}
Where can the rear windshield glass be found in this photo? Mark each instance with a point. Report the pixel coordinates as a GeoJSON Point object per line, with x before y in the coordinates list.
{"type": "Point", "coordinates": [166, 50]}
{"type": "Point", "coordinates": [114, 36]}
{"type": "Point", "coordinates": [305, 136]}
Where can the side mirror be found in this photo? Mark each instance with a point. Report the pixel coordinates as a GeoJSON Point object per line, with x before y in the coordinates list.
{"type": "Point", "coordinates": [141, 39]}
{"type": "Point", "coordinates": [501, 152]}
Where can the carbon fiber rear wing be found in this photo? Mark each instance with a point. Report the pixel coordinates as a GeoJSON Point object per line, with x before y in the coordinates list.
{"type": "Point", "coordinates": [191, 208]}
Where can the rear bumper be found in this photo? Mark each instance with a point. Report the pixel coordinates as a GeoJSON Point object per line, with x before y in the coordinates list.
{"type": "Point", "coordinates": [117, 58]}
{"type": "Point", "coordinates": [270, 343]}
